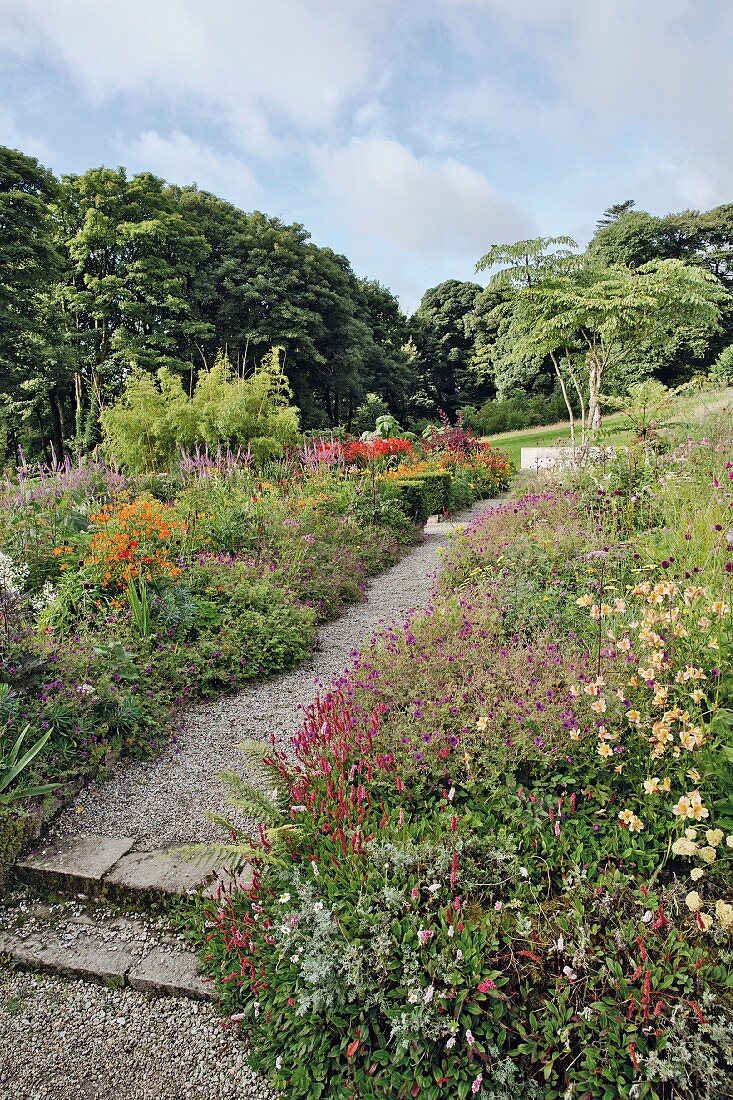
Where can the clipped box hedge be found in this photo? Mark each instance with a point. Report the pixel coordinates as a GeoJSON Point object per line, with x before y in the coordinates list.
{"type": "Point", "coordinates": [423, 494]}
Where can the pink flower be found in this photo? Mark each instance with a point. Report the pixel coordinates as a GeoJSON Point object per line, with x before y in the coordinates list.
{"type": "Point", "coordinates": [469, 1037]}
{"type": "Point", "coordinates": [414, 893]}
{"type": "Point", "coordinates": [486, 985]}
{"type": "Point", "coordinates": [477, 1083]}
{"type": "Point", "coordinates": [425, 936]}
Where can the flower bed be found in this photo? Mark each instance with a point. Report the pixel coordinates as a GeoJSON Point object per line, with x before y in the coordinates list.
{"type": "Point", "coordinates": [121, 599]}
{"type": "Point", "coordinates": [499, 859]}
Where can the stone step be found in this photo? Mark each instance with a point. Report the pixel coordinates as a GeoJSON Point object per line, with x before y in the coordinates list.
{"type": "Point", "coordinates": [99, 865]}
{"type": "Point", "coordinates": [101, 948]}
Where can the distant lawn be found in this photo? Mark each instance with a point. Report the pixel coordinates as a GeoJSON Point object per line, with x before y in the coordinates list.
{"type": "Point", "coordinates": [615, 429]}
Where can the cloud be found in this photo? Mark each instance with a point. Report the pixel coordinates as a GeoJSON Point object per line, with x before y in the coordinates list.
{"type": "Point", "coordinates": [259, 67]}
{"type": "Point", "coordinates": [439, 207]}
{"type": "Point", "coordinates": [621, 84]}
{"type": "Point", "coordinates": [180, 159]}
{"type": "Point", "coordinates": [14, 138]}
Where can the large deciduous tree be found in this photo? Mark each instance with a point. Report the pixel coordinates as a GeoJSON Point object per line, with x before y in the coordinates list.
{"type": "Point", "coordinates": [130, 256]}
{"type": "Point", "coordinates": [443, 335]}
{"type": "Point", "coordinates": [29, 264]}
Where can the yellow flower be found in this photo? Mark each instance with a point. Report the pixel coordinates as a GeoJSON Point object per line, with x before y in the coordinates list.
{"type": "Point", "coordinates": [729, 840]}
{"type": "Point", "coordinates": [575, 735]}
{"type": "Point", "coordinates": [724, 915]}
{"type": "Point", "coordinates": [694, 775]}
{"type": "Point", "coordinates": [697, 809]}
{"type": "Point", "coordinates": [705, 921]}
{"type": "Point", "coordinates": [691, 833]}
{"type": "Point", "coordinates": [714, 837]}
{"type": "Point", "coordinates": [682, 808]}
{"type": "Point", "coordinates": [719, 608]}
{"type": "Point", "coordinates": [584, 601]}
{"type": "Point", "coordinates": [599, 706]}
{"type": "Point", "coordinates": [482, 723]}
{"type": "Point", "coordinates": [651, 786]}
{"type": "Point", "coordinates": [697, 695]}
{"type": "Point", "coordinates": [633, 823]}
{"type": "Point", "coordinates": [713, 644]}
{"type": "Point", "coordinates": [704, 624]}
{"type": "Point", "coordinates": [604, 749]}
{"type": "Point", "coordinates": [693, 901]}
{"type": "Point", "coordinates": [696, 874]}
{"type": "Point", "coordinates": [624, 645]}
{"type": "Point", "coordinates": [707, 855]}
{"type": "Point", "coordinates": [633, 716]}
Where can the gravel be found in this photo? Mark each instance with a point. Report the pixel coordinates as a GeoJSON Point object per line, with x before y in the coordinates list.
{"type": "Point", "coordinates": [70, 1040]}
{"type": "Point", "coordinates": [165, 802]}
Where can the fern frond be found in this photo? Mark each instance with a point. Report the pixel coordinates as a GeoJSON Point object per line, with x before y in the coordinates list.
{"type": "Point", "coordinates": [253, 801]}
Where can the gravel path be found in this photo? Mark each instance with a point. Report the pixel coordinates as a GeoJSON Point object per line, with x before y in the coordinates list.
{"type": "Point", "coordinates": [69, 1040]}
{"type": "Point", "coordinates": [165, 802]}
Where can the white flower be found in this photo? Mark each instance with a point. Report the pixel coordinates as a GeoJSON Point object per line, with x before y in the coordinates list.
{"type": "Point", "coordinates": [428, 994]}
{"type": "Point", "coordinates": [451, 794]}
{"type": "Point", "coordinates": [284, 899]}
{"type": "Point", "coordinates": [524, 872]}
{"type": "Point", "coordinates": [434, 887]}
{"type": "Point", "coordinates": [314, 866]}
{"type": "Point", "coordinates": [318, 907]}
{"type": "Point", "coordinates": [278, 1062]}
{"type": "Point", "coordinates": [450, 1043]}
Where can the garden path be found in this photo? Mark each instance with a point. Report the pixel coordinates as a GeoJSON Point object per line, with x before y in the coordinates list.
{"type": "Point", "coordinates": [62, 1038]}
{"type": "Point", "coordinates": [165, 802]}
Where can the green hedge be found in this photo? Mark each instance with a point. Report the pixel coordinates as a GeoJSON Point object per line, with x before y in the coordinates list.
{"type": "Point", "coordinates": [423, 494]}
{"type": "Point", "coordinates": [412, 497]}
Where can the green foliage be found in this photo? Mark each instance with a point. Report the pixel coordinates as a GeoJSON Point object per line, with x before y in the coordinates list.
{"type": "Point", "coordinates": [151, 423]}
{"type": "Point", "coordinates": [13, 764]}
{"type": "Point", "coordinates": [722, 369]}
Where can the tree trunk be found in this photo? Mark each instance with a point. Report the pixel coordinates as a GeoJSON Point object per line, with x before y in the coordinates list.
{"type": "Point", "coordinates": [57, 426]}
{"type": "Point", "coordinates": [568, 406]}
{"type": "Point", "coordinates": [595, 379]}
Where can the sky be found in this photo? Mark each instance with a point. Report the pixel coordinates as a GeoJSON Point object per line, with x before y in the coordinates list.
{"type": "Point", "coordinates": [410, 135]}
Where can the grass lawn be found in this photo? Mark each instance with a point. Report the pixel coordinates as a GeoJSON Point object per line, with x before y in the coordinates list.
{"type": "Point", "coordinates": [615, 426]}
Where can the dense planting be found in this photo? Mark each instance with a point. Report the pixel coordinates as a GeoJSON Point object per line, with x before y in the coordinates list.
{"type": "Point", "coordinates": [121, 598]}
{"type": "Point", "coordinates": [498, 855]}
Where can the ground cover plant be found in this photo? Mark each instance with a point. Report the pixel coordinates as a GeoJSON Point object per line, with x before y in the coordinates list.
{"type": "Point", "coordinates": [122, 596]}
{"type": "Point", "coordinates": [497, 858]}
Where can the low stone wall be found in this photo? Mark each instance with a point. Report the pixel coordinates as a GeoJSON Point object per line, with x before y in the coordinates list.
{"type": "Point", "coordinates": [543, 458]}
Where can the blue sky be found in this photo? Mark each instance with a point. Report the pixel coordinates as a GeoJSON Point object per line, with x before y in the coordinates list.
{"type": "Point", "coordinates": [408, 134]}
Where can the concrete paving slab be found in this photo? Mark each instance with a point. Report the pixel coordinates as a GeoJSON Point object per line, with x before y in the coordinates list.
{"type": "Point", "coordinates": [78, 863]}
{"type": "Point", "coordinates": [170, 972]}
{"type": "Point", "coordinates": [85, 956]}
{"type": "Point", "coordinates": [164, 870]}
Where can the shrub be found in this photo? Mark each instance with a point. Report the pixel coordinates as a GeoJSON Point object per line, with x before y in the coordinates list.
{"type": "Point", "coordinates": [146, 429]}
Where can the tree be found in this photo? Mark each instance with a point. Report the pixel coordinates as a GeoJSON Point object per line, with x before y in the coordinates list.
{"type": "Point", "coordinates": [29, 264]}
{"type": "Point", "coordinates": [613, 213]}
{"type": "Point", "coordinates": [522, 266]}
{"type": "Point", "coordinates": [130, 257]}
{"type": "Point", "coordinates": [444, 339]}
{"type": "Point", "coordinates": [594, 318]}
